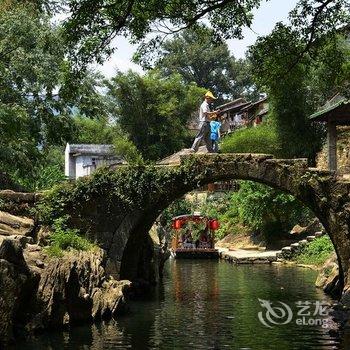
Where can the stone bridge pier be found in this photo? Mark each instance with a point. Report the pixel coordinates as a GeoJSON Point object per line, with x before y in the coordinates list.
{"type": "Point", "coordinates": [118, 207]}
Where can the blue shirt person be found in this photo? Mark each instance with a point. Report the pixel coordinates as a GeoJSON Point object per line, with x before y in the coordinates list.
{"type": "Point", "coordinates": [215, 126]}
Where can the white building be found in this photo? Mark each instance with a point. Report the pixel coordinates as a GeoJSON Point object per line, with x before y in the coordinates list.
{"type": "Point", "coordinates": [82, 160]}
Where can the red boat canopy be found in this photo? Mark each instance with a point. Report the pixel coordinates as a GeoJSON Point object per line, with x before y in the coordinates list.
{"type": "Point", "coordinates": [179, 221]}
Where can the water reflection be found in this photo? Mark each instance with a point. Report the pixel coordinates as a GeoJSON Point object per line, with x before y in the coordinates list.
{"type": "Point", "coordinates": [205, 305]}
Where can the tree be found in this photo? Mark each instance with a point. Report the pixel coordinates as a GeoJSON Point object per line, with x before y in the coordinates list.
{"type": "Point", "coordinates": [39, 94]}
{"type": "Point", "coordinates": [92, 25]}
{"type": "Point", "coordinates": [201, 57]}
{"type": "Point", "coordinates": [197, 57]}
{"type": "Point", "coordinates": [30, 59]}
{"type": "Point", "coordinates": [153, 110]}
{"type": "Point", "coordinates": [101, 131]}
{"type": "Point", "coordinates": [329, 71]}
{"type": "Point", "coordinates": [279, 68]}
{"type": "Point", "coordinates": [317, 21]}
{"type": "Point", "coordinates": [242, 81]}
{"type": "Point", "coordinates": [267, 210]}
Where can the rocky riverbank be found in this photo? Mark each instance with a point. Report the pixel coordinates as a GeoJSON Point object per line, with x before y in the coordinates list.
{"type": "Point", "coordinates": [39, 292]}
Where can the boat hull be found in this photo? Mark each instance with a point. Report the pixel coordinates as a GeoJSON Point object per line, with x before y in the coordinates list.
{"type": "Point", "coordinates": [195, 253]}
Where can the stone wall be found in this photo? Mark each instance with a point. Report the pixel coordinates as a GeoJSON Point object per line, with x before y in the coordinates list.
{"type": "Point", "coordinates": [343, 152]}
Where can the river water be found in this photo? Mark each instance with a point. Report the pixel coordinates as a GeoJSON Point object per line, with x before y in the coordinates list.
{"type": "Point", "coordinates": [213, 305]}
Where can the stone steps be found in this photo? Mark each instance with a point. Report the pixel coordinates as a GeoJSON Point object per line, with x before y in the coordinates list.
{"type": "Point", "coordinates": [288, 251]}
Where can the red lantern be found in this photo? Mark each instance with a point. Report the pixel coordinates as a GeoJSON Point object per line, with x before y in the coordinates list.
{"type": "Point", "coordinates": [214, 224]}
{"type": "Point", "coordinates": [177, 224]}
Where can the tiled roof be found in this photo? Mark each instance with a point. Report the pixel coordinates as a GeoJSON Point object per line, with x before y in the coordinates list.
{"type": "Point", "coordinates": [339, 112]}
{"type": "Point", "coordinates": [91, 149]}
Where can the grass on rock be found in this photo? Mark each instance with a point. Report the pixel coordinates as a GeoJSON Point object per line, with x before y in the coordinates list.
{"type": "Point", "coordinates": [317, 252]}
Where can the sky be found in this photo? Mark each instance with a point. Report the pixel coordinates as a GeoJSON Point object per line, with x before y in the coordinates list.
{"type": "Point", "coordinates": [265, 17]}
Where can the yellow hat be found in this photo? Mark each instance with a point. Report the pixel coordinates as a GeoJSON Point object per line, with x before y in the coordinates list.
{"type": "Point", "coordinates": [210, 95]}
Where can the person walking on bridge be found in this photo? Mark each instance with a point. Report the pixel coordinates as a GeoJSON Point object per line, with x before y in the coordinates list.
{"type": "Point", "coordinates": [204, 124]}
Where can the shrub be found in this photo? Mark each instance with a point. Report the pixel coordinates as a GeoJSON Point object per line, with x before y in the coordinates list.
{"type": "Point", "coordinates": [64, 238]}
{"type": "Point", "coordinates": [267, 210]}
{"type": "Point", "coordinates": [125, 148]}
{"type": "Point", "coordinates": [256, 208]}
{"type": "Point", "coordinates": [260, 139]}
{"type": "Point", "coordinates": [317, 252]}
{"type": "Point", "coordinates": [222, 209]}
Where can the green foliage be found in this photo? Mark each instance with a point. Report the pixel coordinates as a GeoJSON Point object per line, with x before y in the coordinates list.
{"type": "Point", "coordinates": [93, 24]}
{"type": "Point", "coordinates": [255, 208]}
{"type": "Point", "coordinates": [318, 21]}
{"type": "Point", "coordinates": [176, 208]}
{"type": "Point", "coordinates": [278, 68]}
{"type": "Point", "coordinates": [316, 252]}
{"type": "Point", "coordinates": [47, 172]}
{"type": "Point", "coordinates": [154, 110]}
{"type": "Point", "coordinates": [260, 139]}
{"type": "Point", "coordinates": [243, 84]}
{"type": "Point", "coordinates": [267, 210]}
{"type": "Point", "coordinates": [54, 251]}
{"type": "Point", "coordinates": [125, 148]}
{"type": "Point", "coordinates": [98, 131]}
{"type": "Point", "coordinates": [30, 56]}
{"type": "Point", "coordinates": [101, 131]}
{"type": "Point", "coordinates": [300, 66]}
{"type": "Point", "coordinates": [200, 57]}
{"type": "Point", "coordinates": [63, 238]}
{"type": "Point", "coordinates": [222, 209]}
{"type": "Point", "coordinates": [329, 72]}
{"type": "Point", "coordinates": [39, 93]}
{"type": "Point", "coordinates": [46, 177]}
{"type": "Point", "coordinates": [124, 189]}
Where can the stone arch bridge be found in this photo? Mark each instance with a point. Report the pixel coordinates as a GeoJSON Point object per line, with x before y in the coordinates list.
{"type": "Point", "coordinates": [118, 207]}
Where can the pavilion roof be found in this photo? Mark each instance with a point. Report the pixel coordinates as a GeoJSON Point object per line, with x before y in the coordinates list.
{"type": "Point", "coordinates": [338, 112]}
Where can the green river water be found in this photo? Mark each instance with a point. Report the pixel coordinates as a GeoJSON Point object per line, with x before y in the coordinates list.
{"type": "Point", "coordinates": [212, 305]}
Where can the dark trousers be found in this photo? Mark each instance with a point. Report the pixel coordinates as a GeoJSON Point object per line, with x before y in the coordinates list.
{"type": "Point", "coordinates": [215, 146]}
{"type": "Point", "coordinates": [203, 135]}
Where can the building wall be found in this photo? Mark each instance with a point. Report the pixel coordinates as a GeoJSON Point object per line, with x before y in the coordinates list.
{"type": "Point", "coordinates": [86, 164]}
{"type": "Point", "coordinates": [83, 166]}
{"type": "Point", "coordinates": [69, 164]}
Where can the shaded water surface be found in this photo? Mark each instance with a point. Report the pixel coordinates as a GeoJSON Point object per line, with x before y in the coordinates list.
{"type": "Point", "coordinates": [207, 305]}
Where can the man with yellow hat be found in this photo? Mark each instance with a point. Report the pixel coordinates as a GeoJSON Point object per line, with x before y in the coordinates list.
{"type": "Point", "coordinates": [204, 124]}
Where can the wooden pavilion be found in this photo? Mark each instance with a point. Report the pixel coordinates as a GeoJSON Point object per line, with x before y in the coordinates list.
{"type": "Point", "coordinates": [336, 113]}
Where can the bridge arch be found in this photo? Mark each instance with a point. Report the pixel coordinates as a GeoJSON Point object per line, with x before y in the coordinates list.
{"type": "Point", "coordinates": [284, 175]}
{"type": "Point", "coordinates": [123, 233]}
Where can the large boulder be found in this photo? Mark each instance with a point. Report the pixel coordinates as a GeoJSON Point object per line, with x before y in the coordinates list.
{"type": "Point", "coordinates": [109, 300]}
{"type": "Point", "coordinates": [301, 232]}
{"type": "Point", "coordinates": [18, 286]}
{"type": "Point", "coordinates": [328, 277]}
{"type": "Point", "coordinates": [74, 289]}
{"type": "Point", "coordinates": [38, 292]}
{"type": "Point", "coordinates": [15, 225]}
{"type": "Point", "coordinates": [18, 203]}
